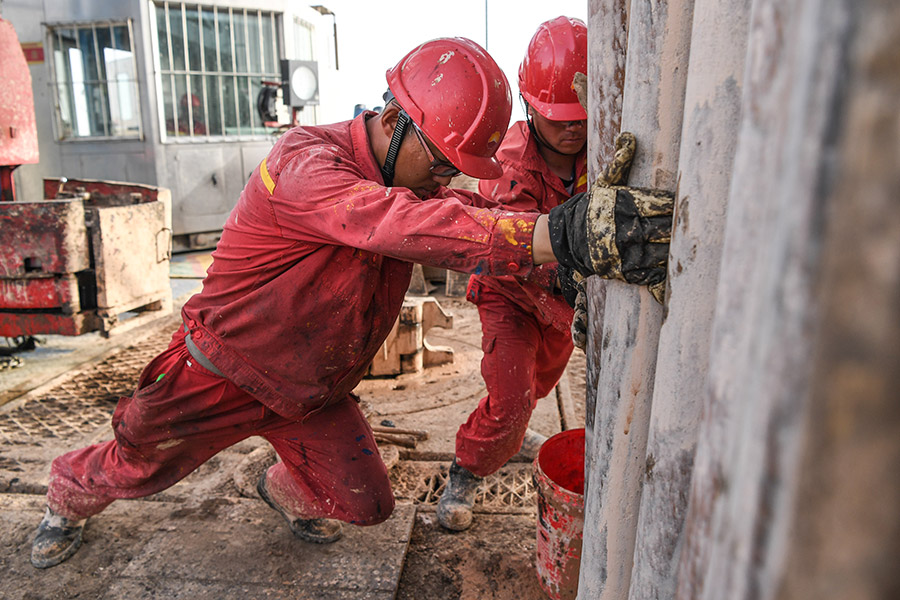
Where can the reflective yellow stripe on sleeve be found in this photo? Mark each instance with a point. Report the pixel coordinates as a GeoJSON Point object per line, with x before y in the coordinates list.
{"type": "Point", "coordinates": [267, 179]}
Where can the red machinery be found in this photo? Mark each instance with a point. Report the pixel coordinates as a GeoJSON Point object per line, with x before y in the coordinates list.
{"type": "Point", "coordinates": [87, 253]}
{"type": "Point", "coordinates": [18, 129]}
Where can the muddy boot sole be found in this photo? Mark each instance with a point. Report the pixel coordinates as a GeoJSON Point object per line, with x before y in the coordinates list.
{"type": "Point", "coordinates": [454, 509]}
{"type": "Point", "coordinates": [455, 517]}
{"type": "Point", "coordinates": [317, 531]}
{"type": "Point", "coordinates": [57, 539]}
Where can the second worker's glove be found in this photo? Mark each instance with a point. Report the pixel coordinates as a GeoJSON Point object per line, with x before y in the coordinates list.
{"type": "Point", "coordinates": [571, 284]}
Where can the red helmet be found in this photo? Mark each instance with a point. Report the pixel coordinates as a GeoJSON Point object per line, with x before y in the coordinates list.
{"type": "Point", "coordinates": [458, 96]}
{"type": "Point", "coordinates": [556, 52]}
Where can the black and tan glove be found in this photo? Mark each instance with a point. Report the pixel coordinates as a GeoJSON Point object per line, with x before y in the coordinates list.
{"type": "Point", "coordinates": [571, 285]}
{"type": "Point", "coordinates": [615, 232]}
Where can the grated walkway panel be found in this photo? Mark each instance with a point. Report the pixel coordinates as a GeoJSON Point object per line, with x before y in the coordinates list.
{"type": "Point", "coordinates": [509, 490]}
{"type": "Point", "coordinates": [83, 402]}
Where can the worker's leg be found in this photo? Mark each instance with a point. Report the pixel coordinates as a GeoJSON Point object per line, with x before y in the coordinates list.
{"type": "Point", "coordinates": [330, 467]}
{"type": "Point", "coordinates": [551, 360]}
{"type": "Point", "coordinates": [179, 417]}
{"type": "Point", "coordinates": [550, 364]}
{"type": "Point", "coordinates": [494, 431]}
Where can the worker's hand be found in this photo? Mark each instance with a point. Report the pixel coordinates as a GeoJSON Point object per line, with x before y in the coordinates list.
{"type": "Point", "coordinates": [572, 285]}
{"type": "Point", "coordinates": [615, 231]}
{"type": "Point", "coordinates": [580, 319]}
{"type": "Point", "coordinates": [569, 280]}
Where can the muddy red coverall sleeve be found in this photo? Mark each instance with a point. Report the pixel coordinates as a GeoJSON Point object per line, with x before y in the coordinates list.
{"type": "Point", "coordinates": [321, 198]}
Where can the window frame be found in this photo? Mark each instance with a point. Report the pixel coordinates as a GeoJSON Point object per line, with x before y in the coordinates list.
{"type": "Point", "coordinates": [268, 20]}
{"type": "Point", "coordinates": [55, 83]}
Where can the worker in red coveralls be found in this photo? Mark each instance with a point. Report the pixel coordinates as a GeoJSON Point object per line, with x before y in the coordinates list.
{"type": "Point", "coordinates": [305, 284]}
{"type": "Point", "coordinates": [525, 322]}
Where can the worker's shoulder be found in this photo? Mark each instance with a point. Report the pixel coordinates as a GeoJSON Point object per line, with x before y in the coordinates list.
{"type": "Point", "coordinates": [324, 143]}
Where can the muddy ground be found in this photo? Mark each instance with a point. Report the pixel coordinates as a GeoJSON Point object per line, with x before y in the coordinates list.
{"type": "Point", "coordinates": [495, 559]}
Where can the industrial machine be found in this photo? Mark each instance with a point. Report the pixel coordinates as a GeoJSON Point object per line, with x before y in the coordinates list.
{"type": "Point", "coordinates": [89, 255]}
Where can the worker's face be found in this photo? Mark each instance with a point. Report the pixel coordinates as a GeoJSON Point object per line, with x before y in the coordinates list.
{"type": "Point", "coordinates": [415, 159]}
{"type": "Point", "coordinates": [566, 137]}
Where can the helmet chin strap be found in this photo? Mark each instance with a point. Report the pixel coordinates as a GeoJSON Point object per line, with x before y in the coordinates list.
{"type": "Point", "coordinates": [387, 171]}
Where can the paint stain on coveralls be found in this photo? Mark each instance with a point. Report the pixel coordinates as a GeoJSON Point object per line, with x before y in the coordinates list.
{"type": "Point", "coordinates": [509, 228]}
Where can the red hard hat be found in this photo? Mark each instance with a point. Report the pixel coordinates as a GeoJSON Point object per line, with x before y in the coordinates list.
{"type": "Point", "coordinates": [458, 96]}
{"type": "Point", "coordinates": [556, 52]}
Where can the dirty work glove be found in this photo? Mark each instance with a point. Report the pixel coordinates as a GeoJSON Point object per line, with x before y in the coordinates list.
{"type": "Point", "coordinates": [571, 284]}
{"type": "Point", "coordinates": [569, 279]}
{"type": "Point", "coordinates": [580, 319]}
{"type": "Point", "coordinates": [614, 232]}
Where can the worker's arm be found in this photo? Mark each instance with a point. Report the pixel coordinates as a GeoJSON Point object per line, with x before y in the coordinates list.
{"type": "Point", "coordinates": [541, 250]}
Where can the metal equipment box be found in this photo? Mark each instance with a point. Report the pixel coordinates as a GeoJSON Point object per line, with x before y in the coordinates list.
{"type": "Point", "coordinates": [94, 255]}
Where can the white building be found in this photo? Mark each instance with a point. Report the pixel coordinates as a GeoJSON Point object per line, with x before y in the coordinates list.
{"type": "Point", "coordinates": [164, 93]}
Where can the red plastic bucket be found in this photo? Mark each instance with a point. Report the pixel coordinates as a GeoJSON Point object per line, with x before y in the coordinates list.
{"type": "Point", "coordinates": [559, 480]}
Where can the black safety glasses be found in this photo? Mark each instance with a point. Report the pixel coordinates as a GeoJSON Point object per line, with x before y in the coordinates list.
{"type": "Point", "coordinates": [441, 168]}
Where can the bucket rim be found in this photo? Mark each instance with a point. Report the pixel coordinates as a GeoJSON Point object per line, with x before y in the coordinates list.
{"type": "Point", "coordinates": [538, 471]}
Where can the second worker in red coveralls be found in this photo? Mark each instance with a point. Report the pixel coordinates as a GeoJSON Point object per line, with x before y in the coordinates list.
{"type": "Point", "coordinates": [525, 322]}
{"type": "Point", "coordinates": [305, 284]}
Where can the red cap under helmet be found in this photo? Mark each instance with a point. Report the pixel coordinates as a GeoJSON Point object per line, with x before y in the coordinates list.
{"type": "Point", "coordinates": [556, 52]}
{"type": "Point", "coordinates": [458, 96]}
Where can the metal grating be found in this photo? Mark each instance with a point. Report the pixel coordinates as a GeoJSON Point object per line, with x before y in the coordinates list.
{"type": "Point", "coordinates": [83, 402]}
{"type": "Point", "coordinates": [509, 490]}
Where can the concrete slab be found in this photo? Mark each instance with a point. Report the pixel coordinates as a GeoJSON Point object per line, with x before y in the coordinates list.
{"type": "Point", "coordinates": [221, 548]}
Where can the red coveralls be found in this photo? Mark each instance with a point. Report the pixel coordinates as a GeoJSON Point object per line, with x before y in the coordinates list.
{"type": "Point", "coordinates": [306, 282]}
{"type": "Point", "coordinates": [525, 325]}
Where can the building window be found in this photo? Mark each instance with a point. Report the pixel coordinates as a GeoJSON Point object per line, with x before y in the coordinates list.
{"type": "Point", "coordinates": [95, 77]}
{"type": "Point", "coordinates": [213, 61]}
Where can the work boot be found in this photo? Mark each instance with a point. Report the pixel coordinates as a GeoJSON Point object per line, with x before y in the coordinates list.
{"type": "Point", "coordinates": [318, 531]}
{"type": "Point", "coordinates": [56, 540]}
{"type": "Point", "coordinates": [454, 510]}
{"type": "Point", "coordinates": [531, 444]}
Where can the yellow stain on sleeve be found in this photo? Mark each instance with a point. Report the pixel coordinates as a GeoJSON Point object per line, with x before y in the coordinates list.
{"type": "Point", "coordinates": [508, 227]}
{"type": "Point", "coordinates": [267, 179]}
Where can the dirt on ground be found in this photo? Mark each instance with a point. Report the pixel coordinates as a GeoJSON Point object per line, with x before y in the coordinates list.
{"type": "Point", "coordinates": [495, 558]}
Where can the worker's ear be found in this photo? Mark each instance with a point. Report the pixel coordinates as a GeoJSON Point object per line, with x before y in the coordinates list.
{"type": "Point", "coordinates": [389, 117]}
